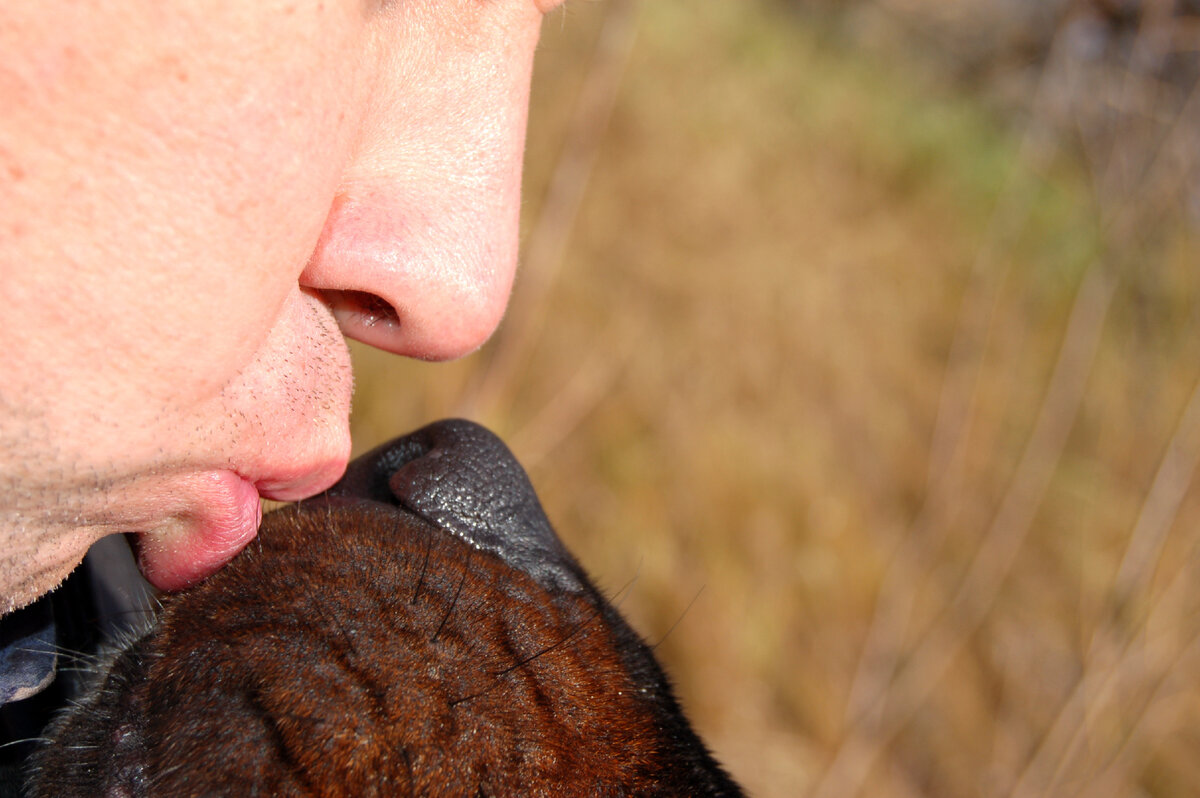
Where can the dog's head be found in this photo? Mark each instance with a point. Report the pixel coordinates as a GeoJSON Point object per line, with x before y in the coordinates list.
{"type": "Point", "coordinates": [419, 629]}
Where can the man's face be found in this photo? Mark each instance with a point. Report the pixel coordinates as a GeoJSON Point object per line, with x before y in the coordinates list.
{"type": "Point", "coordinates": [196, 196]}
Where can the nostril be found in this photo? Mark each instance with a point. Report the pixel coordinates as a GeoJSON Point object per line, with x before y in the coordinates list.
{"type": "Point", "coordinates": [361, 309]}
{"type": "Point", "coordinates": [369, 476]}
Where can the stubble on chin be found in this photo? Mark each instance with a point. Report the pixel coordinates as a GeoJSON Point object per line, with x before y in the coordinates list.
{"type": "Point", "coordinates": [47, 503]}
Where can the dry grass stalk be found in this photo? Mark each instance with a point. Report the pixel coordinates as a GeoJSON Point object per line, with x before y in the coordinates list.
{"type": "Point", "coordinates": [929, 659]}
{"type": "Point", "coordinates": [884, 696]}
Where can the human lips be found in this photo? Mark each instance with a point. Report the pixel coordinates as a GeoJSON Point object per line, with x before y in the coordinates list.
{"type": "Point", "coordinates": [300, 483]}
{"type": "Point", "coordinates": [225, 518]}
{"type": "Point", "coordinates": [287, 411]}
{"type": "Point", "coordinates": [223, 515]}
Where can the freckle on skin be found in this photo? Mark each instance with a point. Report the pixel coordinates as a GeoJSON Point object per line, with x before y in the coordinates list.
{"type": "Point", "coordinates": [16, 173]}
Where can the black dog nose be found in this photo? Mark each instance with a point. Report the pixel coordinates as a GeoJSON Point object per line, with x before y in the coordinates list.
{"type": "Point", "coordinates": [462, 478]}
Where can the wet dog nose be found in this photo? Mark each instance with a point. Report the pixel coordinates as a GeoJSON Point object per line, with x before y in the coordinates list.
{"type": "Point", "coordinates": [461, 478]}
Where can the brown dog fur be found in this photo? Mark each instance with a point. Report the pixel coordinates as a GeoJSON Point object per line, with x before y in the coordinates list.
{"type": "Point", "coordinates": [352, 651]}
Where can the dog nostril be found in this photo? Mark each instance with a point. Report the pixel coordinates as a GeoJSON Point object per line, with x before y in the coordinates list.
{"type": "Point", "coordinates": [379, 470]}
{"type": "Point", "coordinates": [361, 308]}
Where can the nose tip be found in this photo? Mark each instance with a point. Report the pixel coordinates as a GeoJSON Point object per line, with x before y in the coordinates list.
{"type": "Point", "coordinates": [463, 479]}
{"type": "Point", "coordinates": [426, 278]}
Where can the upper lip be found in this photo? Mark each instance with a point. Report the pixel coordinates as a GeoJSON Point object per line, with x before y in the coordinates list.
{"type": "Point", "coordinates": [299, 482]}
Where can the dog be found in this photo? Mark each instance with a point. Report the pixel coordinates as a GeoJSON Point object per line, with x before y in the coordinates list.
{"type": "Point", "coordinates": [418, 629]}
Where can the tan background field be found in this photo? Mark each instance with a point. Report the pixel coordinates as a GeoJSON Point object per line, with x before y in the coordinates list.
{"type": "Point", "coordinates": [868, 387]}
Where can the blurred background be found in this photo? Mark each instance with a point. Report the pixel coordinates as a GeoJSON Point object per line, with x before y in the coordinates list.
{"type": "Point", "coordinates": [855, 348]}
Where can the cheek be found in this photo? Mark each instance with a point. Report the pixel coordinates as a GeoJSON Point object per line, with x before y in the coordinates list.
{"type": "Point", "coordinates": [230, 163]}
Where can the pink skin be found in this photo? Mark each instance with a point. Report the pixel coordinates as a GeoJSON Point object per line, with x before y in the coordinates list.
{"type": "Point", "coordinates": [209, 195]}
{"type": "Point", "coordinates": [233, 513]}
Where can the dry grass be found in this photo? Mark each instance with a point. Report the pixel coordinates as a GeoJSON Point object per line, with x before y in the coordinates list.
{"type": "Point", "coordinates": [887, 411]}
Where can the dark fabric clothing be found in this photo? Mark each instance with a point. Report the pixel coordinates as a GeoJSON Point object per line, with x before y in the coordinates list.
{"type": "Point", "coordinates": [27, 653]}
{"type": "Point", "coordinates": [45, 648]}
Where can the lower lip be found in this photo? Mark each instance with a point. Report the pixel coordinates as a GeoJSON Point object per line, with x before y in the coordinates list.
{"type": "Point", "coordinates": [223, 515]}
{"type": "Point", "coordinates": [226, 519]}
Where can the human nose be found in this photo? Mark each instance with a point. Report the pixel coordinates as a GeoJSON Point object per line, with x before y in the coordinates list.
{"type": "Point", "coordinates": [427, 277]}
{"type": "Point", "coordinates": [419, 247]}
